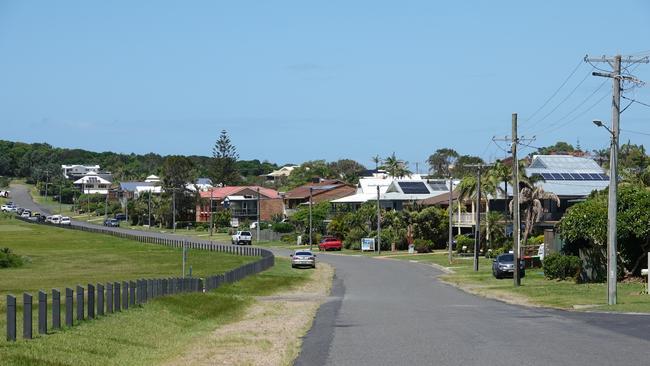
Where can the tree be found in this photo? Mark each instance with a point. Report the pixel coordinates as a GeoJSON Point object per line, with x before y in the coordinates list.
{"type": "Point", "coordinates": [224, 167]}
{"type": "Point", "coordinates": [431, 223]}
{"type": "Point", "coordinates": [177, 171]}
{"type": "Point", "coordinates": [347, 170]}
{"type": "Point", "coordinates": [441, 162]}
{"type": "Point", "coordinates": [530, 200]}
{"type": "Point", "coordinates": [395, 167]}
{"type": "Point", "coordinates": [460, 170]}
{"type": "Point", "coordinates": [584, 229]}
{"type": "Point", "coordinates": [308, 171]}
{"type": "Point", "coordinates": [560, 147]}
{"type": "Point", "coordinates": [377, 160]}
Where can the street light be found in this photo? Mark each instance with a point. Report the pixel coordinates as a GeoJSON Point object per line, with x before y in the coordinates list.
{"type": "Point", "coordinates": [611, 214]}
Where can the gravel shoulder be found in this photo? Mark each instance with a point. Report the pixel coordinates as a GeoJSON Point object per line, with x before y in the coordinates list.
{"type": "Point", "coordinates": [271, 331]}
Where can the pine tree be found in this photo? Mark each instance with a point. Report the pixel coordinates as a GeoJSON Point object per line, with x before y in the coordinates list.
{"type": "Point", "coordinates": [225, 161]}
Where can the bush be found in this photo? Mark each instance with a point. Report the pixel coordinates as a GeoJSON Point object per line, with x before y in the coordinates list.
{"type": "Point", "coordinates": [353, 239]}
{"type": "Point", "coordinates": [536, 240]}
{"type": "Point", "coordinates": [496, 252]}
{"type": "Point", "coordinates": [9, 259]}
{"type": "Point", "coordinates": [289, 238]}
{"type": "Point", "coordinates": [561, 267]}
{"type": "Point", "coordinates": [462, 240]}
{"type": "Point", "coordinates": [423, 245]}
{"type": "Point", "coordinates": [283, 227]}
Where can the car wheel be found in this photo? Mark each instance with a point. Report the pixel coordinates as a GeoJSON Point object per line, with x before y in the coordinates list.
{"type": "Point", "coordinates": [292, 266]}
{"type": "Point", "coordinates": [314, 266]}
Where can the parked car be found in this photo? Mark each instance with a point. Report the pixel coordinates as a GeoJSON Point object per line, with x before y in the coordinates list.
{"type": "Point", "coordinates": [19, 210]}
{"type": "Point", "coordinates": [65, 220]}
{"type": "Point", "coordinates": [120, 216]}
{"type": "Point", "coordinates": [56, 219]}
{"type": "Point", "coordinates": [242, 237]}
{"type": "Point", "coordinates": [330, 243]}
{"type": "Point", "coordinates": [26, 214]}
{"type": "Point", "coordinates": [303, 258]}
{"type": "Point", "coordinates": [112, 222]}
{"type": "Point", "coordinates": [48, 218]}
{"type": "Point", "coordinates": [503, 266]}
{"type": "Point", "coordinates": [40, 218]}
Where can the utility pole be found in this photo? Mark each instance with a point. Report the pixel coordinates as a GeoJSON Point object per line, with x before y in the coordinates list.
{"type": "Point", "coordinates": [211, 210]}
{"type": "Point", "coordinates": [612, 204]}
{"type": "Point", "coordinates": [106, 206]}
{"type": "Point", "coordinates": [378, 224]}
{"type": "Point", "coordinates": [477, 228]}
{"type": "Point", "coordinates": [258, 215]}
{"type": "Point", "coordinates": [47, 181]}
{"type": "Point", "coordinates": [174, 213]}
{"type": "Point", "coordinates": [311, 191]}
{"type": "Point", "coordinates": [149, 208]}
{"type": "Point", "coordinates": [451, 213]}
{"type": "Point", "coordinates": [515, 202]}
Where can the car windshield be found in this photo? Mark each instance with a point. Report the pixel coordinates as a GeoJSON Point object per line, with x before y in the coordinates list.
{"type": "Point", "coordinates": [246, 233]}
{"type": "Point", "coordinates": [506, 258]}
{"type": "Point", "coordinates": [303, 253]}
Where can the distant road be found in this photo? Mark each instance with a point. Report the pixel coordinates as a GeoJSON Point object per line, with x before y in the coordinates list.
{"type": "Point", "coordinates": [390, 312]}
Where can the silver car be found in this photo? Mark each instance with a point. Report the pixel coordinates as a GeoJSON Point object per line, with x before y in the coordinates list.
{"type": "Point", "coordinates": [303, 258]}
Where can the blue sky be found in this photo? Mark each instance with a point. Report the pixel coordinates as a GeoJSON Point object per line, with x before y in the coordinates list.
{"type": "Point", "coordinates": [299, 80]}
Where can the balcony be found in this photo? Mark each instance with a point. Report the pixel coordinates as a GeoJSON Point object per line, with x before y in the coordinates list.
{"type": "Point", "coordinates": [243, 212]}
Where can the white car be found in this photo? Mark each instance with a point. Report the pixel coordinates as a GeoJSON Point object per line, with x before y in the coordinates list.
{"type": "Point", "coordinates": [9, 208]}
{"type": "Point", "coordinates": [242, 237]}
{"type": "Point", "coordinates": [56, 219]}
{"type": "Point", "coordinates": [26, 214]}
{"type": "Point", "coordinates": [65, 220]}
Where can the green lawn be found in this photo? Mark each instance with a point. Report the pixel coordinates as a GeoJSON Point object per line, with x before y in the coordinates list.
{"type": "Point", "coordinates": [153, 333]}
{"type": "Point", "coordinates": [149, 334]}
{"type": "Point", "coordinates": [59, 258]}
{"type": "Point", "coordinates": [535, 288]}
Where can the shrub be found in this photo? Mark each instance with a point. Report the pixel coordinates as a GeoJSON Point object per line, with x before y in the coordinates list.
{"type": "Point", "coordinates": [462, 240]}
{"type": "Point", "coordinates": [283, 227]}
{"type": "Point", "coordinates": [423, 245]}
{"type": "Point", "coordinates": [496, 252]}
{"type": "Point", "coordinates": [536, 240]}
{"type": "Point", "coordinates": [9, 259]}
{"type": "Point", "coordinates": [353, 239]}
{"type": "Point", "coordinates": [289, 238]}
{"type": "Point", "coordinates": [561, 267]}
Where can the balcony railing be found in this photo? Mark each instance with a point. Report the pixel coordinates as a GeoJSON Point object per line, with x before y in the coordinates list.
{"type": "Point", "coordinates": [243, 212]}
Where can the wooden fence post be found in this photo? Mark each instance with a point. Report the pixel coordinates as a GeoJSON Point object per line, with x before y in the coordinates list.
{"type": "Point", "coordinates": [42, 312]}
{"type": "Point", "coordinates": [109, 298]}
{"type": "Point", "coordinates": [100, 299]}
{"type": "Point", "coordinates": [91, 301]}
{"type": "Point", "coordinates": [56, 309]}
{"type": "Point", "coordinates": [27, 316]}
{"type": "Point", "coordinates": [68, 306]}
{"type": "Point", "coordinates": [80, 303]}
{"type": "Point", "coordinates": [11, 318]}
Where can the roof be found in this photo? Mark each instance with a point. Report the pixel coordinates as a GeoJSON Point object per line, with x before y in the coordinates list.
{"type": "Point", "coordinates": [92, 179]}
{"type": "Point", "coordinates": [223, 192]}
{"type": "Point", "coordinates": [392, 189]}
{"type": "Point", "coordinates": [133, 186]}
{"type": "Point", "coordinates": [442, 198]}
{"type": "Point", "coordinates": [567, 175]}
{"type": "Point", "coordinates": [317, 188]}
{"type": "Point", "coordinates": [204, 181]}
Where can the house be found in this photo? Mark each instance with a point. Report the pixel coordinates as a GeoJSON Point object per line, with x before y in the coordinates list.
{"type": "Point", "coordinates": [94, 183]}
{"type": "Point", "coordinates": [76, 171]}
{"type": "Point", "coordinates": [133, 190]}
{"type": "Point", "coordinates": [283, 172]}
{"type": "Point", "coordinates": [571, 178]}
{"type": "Point", "coordinates": [201, 184]}
{"type": "Point", "coordinates": [323, 190]}
{"type": "Point", "coordinates": [242, 201]}
{"type": "Point", "coordinates": [394, 193]}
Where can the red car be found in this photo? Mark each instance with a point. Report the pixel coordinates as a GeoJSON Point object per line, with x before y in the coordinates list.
{"type": "Point", "coordinates": [330, 244]}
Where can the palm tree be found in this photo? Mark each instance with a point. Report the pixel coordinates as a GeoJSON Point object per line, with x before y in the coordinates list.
{"type": "Point", "coordinates": [530, 199]}
{"type": "Point", "coordinates": [377, 160]}
{"type": "Point", "coordinates": [467, 190]}
{"type": "Point", "coordinates": [395, 167]}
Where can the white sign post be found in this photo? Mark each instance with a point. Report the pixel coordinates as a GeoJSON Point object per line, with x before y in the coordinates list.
{"type": "Point", "coordinates": [367, 244]}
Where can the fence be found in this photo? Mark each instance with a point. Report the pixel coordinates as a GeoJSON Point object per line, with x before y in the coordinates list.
{"type": "Point", "coordinates": [103, 299]}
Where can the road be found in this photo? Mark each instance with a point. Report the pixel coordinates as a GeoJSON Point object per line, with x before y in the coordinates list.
{"type": "Point", "coordinates": [390, 312]}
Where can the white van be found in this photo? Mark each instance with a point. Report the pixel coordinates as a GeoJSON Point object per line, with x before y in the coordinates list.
{"type": "Point", "coordinates": [56, 219]}
{"type": "Point", "coordinates": [65, 220]}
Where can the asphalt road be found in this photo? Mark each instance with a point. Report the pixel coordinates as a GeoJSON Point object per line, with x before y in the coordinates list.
{"type": "Point", "coordinates": [389, 312]}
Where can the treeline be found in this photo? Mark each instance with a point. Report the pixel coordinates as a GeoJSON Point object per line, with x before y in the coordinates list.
{"type": "Point", "coordinates": [38, 160]}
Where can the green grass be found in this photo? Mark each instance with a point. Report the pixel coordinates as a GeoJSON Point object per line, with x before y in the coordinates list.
{"type": "Point", "coordinates": [155, 332]}
{"type": "Point", "coordinates": [59, 258]}
{"type": "Point", "coordinates": [537, 289]}
{"type": "Point", "coordinates": [49, 203]}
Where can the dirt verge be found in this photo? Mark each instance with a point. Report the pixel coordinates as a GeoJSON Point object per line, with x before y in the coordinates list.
{"type": "Point", "coordinates": [271, 331]}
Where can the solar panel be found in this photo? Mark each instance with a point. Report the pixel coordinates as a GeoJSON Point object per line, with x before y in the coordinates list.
{"type": "Point", "coordinates": [413, 187]}
{"type": "Point", "coordinates": [593, 176]}
{"type": "Point", "coordinates": [438, 186]}
{"type": "Point", "coordinates": [585, 176]}
{"type": "Point", "coordinates": [566, 176]}
{"type": "Point", "coordinates": [546, 176]}
{"type": "Point", "coordinates": [603, 177]}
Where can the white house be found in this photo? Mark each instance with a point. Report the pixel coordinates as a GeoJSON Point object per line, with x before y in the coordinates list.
{"type": "Point", "coordinates": [93, 183]}
{"type": "Point", "coordinates": [78, 170]}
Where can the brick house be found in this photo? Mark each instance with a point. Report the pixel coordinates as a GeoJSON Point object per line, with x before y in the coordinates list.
{"type": "Point", "coordinates": [324, 190]}
{"type": "Point", "coordinates": [243, 203]}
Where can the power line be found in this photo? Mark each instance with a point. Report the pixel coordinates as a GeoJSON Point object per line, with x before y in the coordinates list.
{"type": "Point", "coordinates": [565, 98]}
{"type": "Point", "coordinates": [635, 132]}
{"type": "Point", "coordinates": [556, 91]}
{"type": "Point", "coordinates": [634, 101]}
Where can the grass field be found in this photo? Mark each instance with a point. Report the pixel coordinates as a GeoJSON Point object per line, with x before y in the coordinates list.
{"type": "Point", "coordinates": [535, 289]}
{"type": "Point", "coordinates": [149, 334]}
